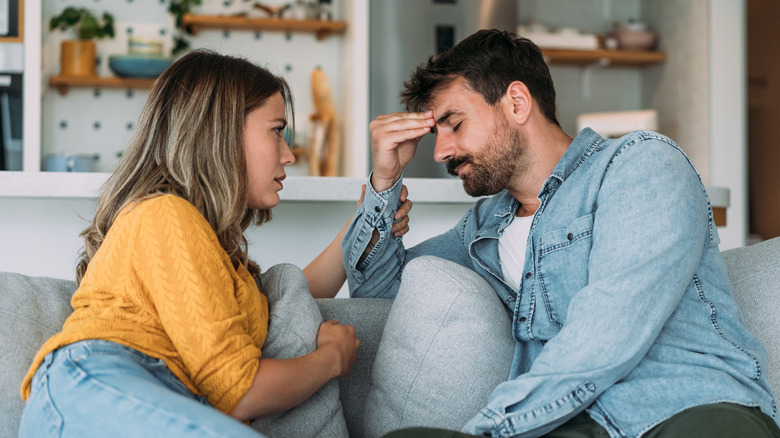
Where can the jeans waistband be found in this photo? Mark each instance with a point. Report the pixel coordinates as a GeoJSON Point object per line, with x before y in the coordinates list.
{"type": "Point", "coordinates": [98, 346]}
{"type": "Point", "coordinates": [156, 367]}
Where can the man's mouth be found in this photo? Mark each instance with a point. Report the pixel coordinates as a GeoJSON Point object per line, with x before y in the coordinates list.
{"type": "Point", "coordinates": [456, 165]}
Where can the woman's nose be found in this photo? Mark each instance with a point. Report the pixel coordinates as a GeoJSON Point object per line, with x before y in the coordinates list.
{"type": "Point", "coordinates": [287, 156]}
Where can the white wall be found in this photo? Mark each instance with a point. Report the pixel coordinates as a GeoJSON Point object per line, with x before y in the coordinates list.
{"type": "Point", "coordinates": [679, 88]}
{"type": "Point", "coordinates": [728, 112]}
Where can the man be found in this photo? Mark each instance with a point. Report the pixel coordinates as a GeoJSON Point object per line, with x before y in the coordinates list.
{"type": "Point", "coordinates": [604, 251]}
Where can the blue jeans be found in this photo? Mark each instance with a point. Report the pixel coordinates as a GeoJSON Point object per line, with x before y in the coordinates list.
{"type": "Point", "coordinates": [99, 388]}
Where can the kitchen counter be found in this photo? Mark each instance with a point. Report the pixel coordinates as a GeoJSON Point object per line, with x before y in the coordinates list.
{"type": "Point", "coordinates": [297, 188]}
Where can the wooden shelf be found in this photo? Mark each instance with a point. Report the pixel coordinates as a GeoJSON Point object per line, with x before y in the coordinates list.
{"type": "Point", "coordinates": [322, 29]}
{"type": "Point", "coordinates": [62, 83]}
{"type": "Point", "coordinates": [607, 57]}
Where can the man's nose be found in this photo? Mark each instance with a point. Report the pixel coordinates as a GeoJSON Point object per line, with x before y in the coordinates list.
{"type": "Point", "coordinates": [443, 149]}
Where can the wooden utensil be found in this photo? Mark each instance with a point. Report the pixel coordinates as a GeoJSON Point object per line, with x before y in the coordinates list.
{"type": "Point", "coordinates": [325, 150]}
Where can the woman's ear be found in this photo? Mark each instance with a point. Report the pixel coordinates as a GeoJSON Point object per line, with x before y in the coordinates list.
{"type": "Point", "coordinates": [519, 101]}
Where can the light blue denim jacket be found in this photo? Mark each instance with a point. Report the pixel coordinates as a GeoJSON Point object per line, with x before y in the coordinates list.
{"type": "Point", "coordinates": [625, 310]}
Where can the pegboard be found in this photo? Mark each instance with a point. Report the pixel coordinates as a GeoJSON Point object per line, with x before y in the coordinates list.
{"type": "Point", "coordinates": [102, 121]}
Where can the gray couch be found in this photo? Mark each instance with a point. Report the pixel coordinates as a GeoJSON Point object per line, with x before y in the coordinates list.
{"type": "Point", "coordinates": [33, 308]}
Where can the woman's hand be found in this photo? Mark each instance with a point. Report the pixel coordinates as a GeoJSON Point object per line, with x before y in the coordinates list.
{"type": "Point", "coordinates": [281, 384]}
{"type": "Point", "coordinates": [401, 224]}
{"type": "Point", "coordinates": [339, 340]}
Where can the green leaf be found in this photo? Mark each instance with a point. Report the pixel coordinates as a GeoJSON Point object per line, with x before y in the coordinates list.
{"type": "Point", "coordinates": [179, 45]}
{"type": "Point", "coordinates": [84, 23]}
{"type": "Point", "coordinates": [71, 16]}
{"type": "Point", "coordinates": [89, 27]}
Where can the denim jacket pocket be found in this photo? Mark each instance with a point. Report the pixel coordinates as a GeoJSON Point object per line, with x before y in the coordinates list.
{"type": "Point", "coordinates": [563, 260]}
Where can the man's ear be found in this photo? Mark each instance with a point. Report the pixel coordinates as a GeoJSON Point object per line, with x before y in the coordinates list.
{"type": "Point", "coordinates": [518, 102]}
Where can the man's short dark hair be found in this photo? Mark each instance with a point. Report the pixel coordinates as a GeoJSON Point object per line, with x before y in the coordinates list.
{"type": "Point", "coordinates": [489, 60]}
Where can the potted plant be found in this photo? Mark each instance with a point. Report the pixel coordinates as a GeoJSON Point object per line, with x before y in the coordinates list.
{"type": "Point", "coordinates": [77, 57]}
{"type": "Point", "coordinates": [178, 8]}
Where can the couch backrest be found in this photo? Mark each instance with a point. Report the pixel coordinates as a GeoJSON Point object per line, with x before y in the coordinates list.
{"type": "Point", "coordinates": [32, 309]}
{"type": "Point", "coordinates": [754, 272]}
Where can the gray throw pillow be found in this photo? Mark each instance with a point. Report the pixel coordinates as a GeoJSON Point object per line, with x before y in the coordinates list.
{"type": "Point", "coordinates": [292, 332]}
{"type": "Point", "coordinates": [446, 345]}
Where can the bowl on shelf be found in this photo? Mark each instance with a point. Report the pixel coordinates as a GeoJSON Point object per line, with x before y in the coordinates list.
{"type": "Point", "coordinates": [636, 39]}
{"type": "Point", "coordinates": [633, 35]}
{"type": "Point", "coordinates": [139, 65]}
{"type": "Point", "coordinates": [137, 45]}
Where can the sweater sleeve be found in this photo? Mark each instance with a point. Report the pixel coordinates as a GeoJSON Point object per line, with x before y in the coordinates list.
{"type": "Point", "coordinates": [195, 288]}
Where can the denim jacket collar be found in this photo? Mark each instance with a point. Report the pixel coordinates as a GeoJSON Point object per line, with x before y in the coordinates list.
{"type": "Point", "coordinates": [578, 151]}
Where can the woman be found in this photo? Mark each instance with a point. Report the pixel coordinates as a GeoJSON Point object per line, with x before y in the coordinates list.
{"type": "Point", "coordinates": [168, 322]}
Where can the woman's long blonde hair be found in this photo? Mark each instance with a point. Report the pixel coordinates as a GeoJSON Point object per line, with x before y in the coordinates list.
{"type": "Point", "coordinates": [189, 143]}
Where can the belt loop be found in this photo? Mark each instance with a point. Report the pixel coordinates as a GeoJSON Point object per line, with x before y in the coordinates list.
{"type": "Point", "coordinates": [49, 358]}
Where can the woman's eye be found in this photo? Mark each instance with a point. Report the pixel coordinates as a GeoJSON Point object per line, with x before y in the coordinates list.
{"type": "Point", "coordinates": [455, 129]}
{"type": "Point", "coordinates": [278, 131]}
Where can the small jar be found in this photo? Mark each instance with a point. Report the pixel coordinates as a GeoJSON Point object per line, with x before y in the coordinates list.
{"type": "Point", "coordinates": [324, 10]}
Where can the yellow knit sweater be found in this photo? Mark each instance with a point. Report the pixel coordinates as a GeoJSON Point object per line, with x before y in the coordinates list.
{"type": "Point", "coordinates": [162, 284]}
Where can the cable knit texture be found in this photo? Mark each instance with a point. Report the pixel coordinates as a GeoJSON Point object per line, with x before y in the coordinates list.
{"type": "Point", "coordinates": [162, 284]}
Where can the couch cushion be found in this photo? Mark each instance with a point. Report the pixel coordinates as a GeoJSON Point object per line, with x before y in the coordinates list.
{"type": "Point", "coordinates": [446, 345]}
{"type": "Point", "coordinates": [754, 272]}
{"type": "Point", "coordinates": [32, 309]}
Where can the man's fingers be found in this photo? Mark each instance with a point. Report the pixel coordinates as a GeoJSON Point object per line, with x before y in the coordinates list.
{"type": "Point", "coordinates": [404, 115]}
{"type": "Point", "coordinates": [402, 122]}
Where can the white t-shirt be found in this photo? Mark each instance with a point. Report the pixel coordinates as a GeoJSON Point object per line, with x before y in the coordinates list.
{"type": "Point", "coordinates": [511, 250]}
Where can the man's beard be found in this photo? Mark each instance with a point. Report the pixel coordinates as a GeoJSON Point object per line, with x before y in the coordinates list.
{"type": "Point", "coordinates": [492, 170]}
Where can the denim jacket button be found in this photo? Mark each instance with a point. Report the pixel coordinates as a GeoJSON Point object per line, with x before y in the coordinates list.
{"type": "Point", "coordinates": [528, 276]}
{"type": "Point", "coordinates": [377, 209]}
{"type": "Point", "coordinates": [570, 236]}
{"type": "Point", "coordinates": [522, 319]}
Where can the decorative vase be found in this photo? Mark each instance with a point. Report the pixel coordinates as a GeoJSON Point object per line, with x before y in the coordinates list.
{"type": "Point", "coordinates": [77, 58]}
